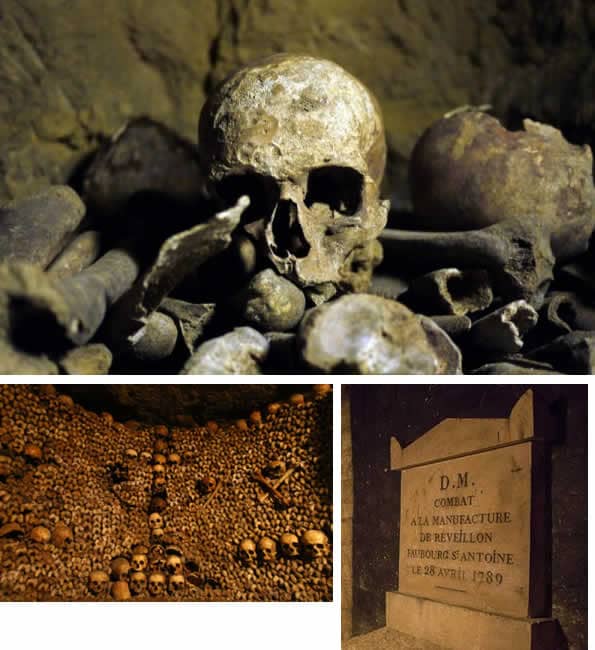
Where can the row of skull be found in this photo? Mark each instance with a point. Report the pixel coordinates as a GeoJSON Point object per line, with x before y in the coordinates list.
{"type": "Point", "coordinates": [166, 567]}
{"type": "Point", "coordinates": [136, 584]}
{"type": "Point", "coordinates": [312, 545]}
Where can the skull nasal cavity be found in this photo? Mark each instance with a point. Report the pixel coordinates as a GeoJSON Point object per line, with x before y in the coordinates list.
{"type": "Point", "coordinates": [287, 232]}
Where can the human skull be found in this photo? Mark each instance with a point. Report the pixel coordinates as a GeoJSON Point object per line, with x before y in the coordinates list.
{"type": "Point", "coordinates": [159, 459]}
{"type": "Point", "coordinates": [174, 565]}
{"type": "Point", "coordinates": [305, 140]}
{"type": "Point", "coordinates": [174, 459]}
{"type": "Point", "coordinates": [206, 485]}
{"type": "Point", "coordinates": [157, 534]}
{"type": "Point", "coordinates": [176, 583]}
{"type": "Point", "coordinates": [98, 583]}
{"type": "Point", "coordinates": [290, 545]}
{"type": "Point", "coordinates": [267, 549]}
{"type": "Point", "coordinates": [120, 568]}
{"type": "Point", "coordinates": [138, 583]}
{"type": "Point", "coordinates": [156, 584]}
{"type": "Point", "coordinates": [157, 558]}
{"type": "Point", "coordinates": [62, 536]}
{"type": "Point", "coordinates": [155, 521]}
{"type": "Point", "coordinates": [314, 544]}
{"type": "Point", "coordinates": [158, 471]}
{"type": "Point", "coordinates": [275, 469]}
{"type": "Point", "coordinates": [160, 446]}
{"type": "Point", "coordinates": [159, 484]}
{"type": "Point", "coordinates": [247, 552]}
{"type": "Point", "coordinates": [139, 561]}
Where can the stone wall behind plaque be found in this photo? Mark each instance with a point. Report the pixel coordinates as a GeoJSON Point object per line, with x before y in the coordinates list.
{"type": "Point", "coordinates": [377, 412]}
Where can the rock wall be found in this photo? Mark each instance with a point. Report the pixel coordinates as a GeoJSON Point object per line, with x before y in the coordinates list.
{"type": "Point", "coordinates": [71, 73]}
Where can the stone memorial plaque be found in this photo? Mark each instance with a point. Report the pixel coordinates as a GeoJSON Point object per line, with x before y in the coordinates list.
{"type": "Point", "coordinates": [475, 537]}
{"type": "Point", "coordinates": [466, 530]}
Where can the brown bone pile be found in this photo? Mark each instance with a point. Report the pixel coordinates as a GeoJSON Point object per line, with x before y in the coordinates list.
{"type": "Point", "coordinates": [265, 249]}
{"type": "Point", "coordinates": [72, 528]}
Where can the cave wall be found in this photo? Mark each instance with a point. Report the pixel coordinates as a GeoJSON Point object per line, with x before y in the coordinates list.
{"type": "Point", "coordinates": [71, 73]}
{"type": "Point", "coordinates": [377, 412]}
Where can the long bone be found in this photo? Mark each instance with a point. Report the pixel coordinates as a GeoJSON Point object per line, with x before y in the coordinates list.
{"type": "Point", "coordinates": [519, 257]}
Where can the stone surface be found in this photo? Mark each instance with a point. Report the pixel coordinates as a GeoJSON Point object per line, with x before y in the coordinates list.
{"type": "Point", "coordinates": [466, 531]}
{"type": "Point", "coordinates": [461, 628]}
{"type": "Point", "coordinates": [387, 639]}
{"type": "Point", "coordinates": [475, 536]}
{"type": "Point", "coordinates": [365, 334]}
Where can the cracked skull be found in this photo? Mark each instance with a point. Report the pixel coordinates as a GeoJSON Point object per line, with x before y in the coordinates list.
{"type": "Point", "coordinates": [305, 141]}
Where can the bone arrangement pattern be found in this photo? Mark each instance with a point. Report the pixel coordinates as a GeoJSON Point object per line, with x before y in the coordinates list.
{"type": "Point", "coordinates": [92, 509]}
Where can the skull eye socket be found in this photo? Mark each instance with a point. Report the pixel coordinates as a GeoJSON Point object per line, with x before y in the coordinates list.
{"type": "Point", "coordinates": [262, 190]}
{"type": "Point", "coordinates": [338, 187]}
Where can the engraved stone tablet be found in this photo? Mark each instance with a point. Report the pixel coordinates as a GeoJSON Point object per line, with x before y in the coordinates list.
{"type": "Point", "coordinates": [474, 539]}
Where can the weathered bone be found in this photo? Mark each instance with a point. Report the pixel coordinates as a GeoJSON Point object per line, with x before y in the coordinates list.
{"type": "Point", "coordinates": [449, 291]}
{"type": "Point", "coordinates": [519, 257]}
{"type": "Point", "coordinates": [281, 499]}
{"type": "Point", "coordinates": [178, 257]}
{"type": "Point", "coordinates": [76, 306]}
{"type": "Point", "coordinates": [503, 329]}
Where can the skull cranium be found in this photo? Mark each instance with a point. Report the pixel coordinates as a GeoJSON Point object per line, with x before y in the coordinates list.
{"type": "Point", "coordinates": [157, 584]}
{"type": "Point", "coordinates": [139, 562]}
{"type": "Point", "coordinates": [158, 471]}
{"type": "Point", "coordinates": [174, 565]}
{"type": "Point", "coordinates": [155, 521]}
{"type": "Point", "coordinates": [247, 552]}
{"type": "Point", "coordinates": [305, 140]}
{"type": "Point", "coordinates": [98, 583]}
{"type": "Point", "coordinates": [314, 544]}
{"type": "Point", "coordinates": [138, 583]}
{"type": "Point", "coordinates": [267, 549]}
{"type": "Point", "coordinates": [290, 545]}
{"type": "Point", "coordinates": [176, 583]}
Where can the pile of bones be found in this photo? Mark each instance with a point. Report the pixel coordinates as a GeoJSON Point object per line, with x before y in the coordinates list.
{"type": "Point", "coordinates": [268, 247]}
{"type": "Point", "coordinates": [93, 509]}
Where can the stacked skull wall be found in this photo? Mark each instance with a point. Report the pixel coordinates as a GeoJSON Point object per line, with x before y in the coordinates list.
{"type": "Point", "coordinates": [88, 517]}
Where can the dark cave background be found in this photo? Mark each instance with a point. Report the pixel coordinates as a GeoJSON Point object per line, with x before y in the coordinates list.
{"type": "Point", "coordinates": [406, 412]}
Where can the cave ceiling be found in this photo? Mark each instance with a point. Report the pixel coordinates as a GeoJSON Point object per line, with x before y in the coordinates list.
{"type": "Point", "coordinates": [162, 402]}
